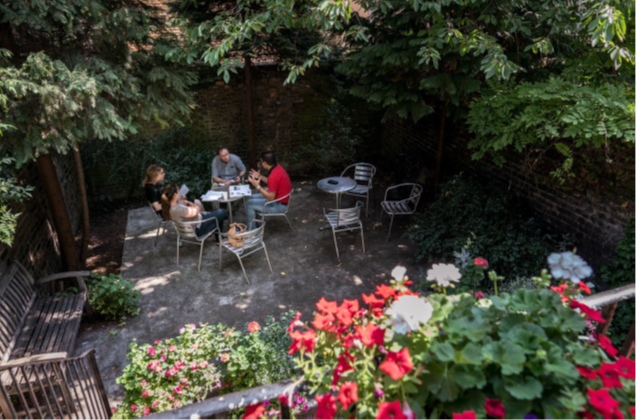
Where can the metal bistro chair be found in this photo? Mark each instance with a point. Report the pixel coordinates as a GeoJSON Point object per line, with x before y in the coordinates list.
{"type": "Point", "coordinates": [342, 220]}
{"type": "Point", "coordinates": [284, 214]}
{"type": "Point", "coordinates": [186, 232]}
{"type": "Point", "coordinates": [252, 242]}
{"type": "Point", "coordinates": [163, 224]}
{"type": "Point", "coordinates": [363, 176]}
{"type": "Point", "coordinates": [401, 207]}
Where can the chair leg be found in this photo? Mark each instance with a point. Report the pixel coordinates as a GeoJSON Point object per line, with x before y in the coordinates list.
{"type": "Point", "coordinates": [178, 237]}
{"type": "Point", "coordinates": [368, 204]}
{"type": "Point", "coordinates": [336, 243]}
{"type": "Point", "coordinates": [220, 258]}
{"type": "Point", "coordinates": [390, 227]}
{"type": "Point", "coordinates": [243, 268]}
{"type": "Point", "coordinates": [267, 256]}
{"type": "Point", "coordinates": [157, 235]}
{"type": "Point", "coordinates": [289, 221]}
{"type": "Point", "coordinates": [201, 254]}
{"type": "Point", "coordinates": [362, 236]}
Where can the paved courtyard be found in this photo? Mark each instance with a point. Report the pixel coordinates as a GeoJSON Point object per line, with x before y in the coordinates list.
{"type": "Point", "coordinates": [304, 264]}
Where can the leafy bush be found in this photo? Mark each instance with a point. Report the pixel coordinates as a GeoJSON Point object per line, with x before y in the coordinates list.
{"type": "Point", "coordinates": [113, 296]}
{"type": "Point", "coordinates": [201, 361]}
{"type": "Point", "coordinates": [618, 272]}
{"type": "Point", "coordinates": [124, 164]}
{"type": "Point", "coordinates": [10, 193]}
{"type": "Point", "coordinates": [510, 356]}
{"type": "Point", "coordinates": [484, 221]}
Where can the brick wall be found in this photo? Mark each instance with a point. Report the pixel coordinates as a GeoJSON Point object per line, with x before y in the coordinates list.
{"type": "Point", "coordinates": [35, 244]}
{"type": "Point", "coordinates": [598, 221]}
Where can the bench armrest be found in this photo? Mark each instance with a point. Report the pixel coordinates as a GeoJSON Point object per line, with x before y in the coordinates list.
{"type": "Point", "coordinates": [38, 358]}
{"type": "Point", "coordinates": [79, 275]}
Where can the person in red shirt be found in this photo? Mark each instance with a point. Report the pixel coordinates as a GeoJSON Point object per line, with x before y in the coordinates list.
{"type": "Point", "coordinates": [278, 185]}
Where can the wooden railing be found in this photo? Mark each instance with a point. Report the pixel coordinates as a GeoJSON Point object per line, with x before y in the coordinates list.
{"type": "Point", "coordinates": [224, 403]}
{"type": "Point", "coordinates": [53, 386]}
{"type": "Point", "coordinates": [609, 300]}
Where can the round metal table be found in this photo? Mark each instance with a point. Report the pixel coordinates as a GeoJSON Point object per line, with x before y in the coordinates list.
{"type": "Point", "coordinates": [337, 185]}
{"type": "Point", "coordinates": [229, 201]}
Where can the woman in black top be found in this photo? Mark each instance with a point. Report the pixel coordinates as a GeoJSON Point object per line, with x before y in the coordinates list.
{"type": "Point", "coordinates": [153, 186]}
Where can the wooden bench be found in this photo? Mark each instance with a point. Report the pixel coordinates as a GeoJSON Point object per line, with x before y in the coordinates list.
{"type": "Point", "coordinates": [31, 324]}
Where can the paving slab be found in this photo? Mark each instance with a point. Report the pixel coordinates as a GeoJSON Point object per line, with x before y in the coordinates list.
{"type": "Point", "coordinates": [304, 263]}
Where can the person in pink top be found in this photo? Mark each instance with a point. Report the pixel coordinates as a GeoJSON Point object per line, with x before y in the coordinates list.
{"type": "Point", "coordinates": [278, 185]}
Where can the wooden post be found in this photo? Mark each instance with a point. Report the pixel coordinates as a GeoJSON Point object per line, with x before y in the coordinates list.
{"type": "Point", "coordinates": [251, 131]}
{"type": "Point", "coordinates": [607, 314]}
{"type": "Point", "coordinates": [86, 224]}
{"type": "Point", "coordinates": [628, 345]}
{"type": "Point", "coordinates": [57, 205]}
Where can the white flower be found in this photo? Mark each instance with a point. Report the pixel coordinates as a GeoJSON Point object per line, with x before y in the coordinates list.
{"type": "Point", "coordinates": [398, 273]}
{"type": "Point", "coordinates": [567, 265]}
{"type": "Point", "coordinates": [444, 274]}
{"type": "Point", "coordinates": [408, 312]}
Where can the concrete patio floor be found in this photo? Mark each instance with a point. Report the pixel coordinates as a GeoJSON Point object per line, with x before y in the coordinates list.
{"type": "Point", "coordinates": [304, 264]}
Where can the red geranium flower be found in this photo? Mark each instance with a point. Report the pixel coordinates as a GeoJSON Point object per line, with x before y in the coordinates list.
{"type": "Point", "coordinates": [602, 401]}
{"type": "Point", "coordinates": [397, 364]}
{"type": "Point", "coordinates": [616, 414]}
{"type": "Point", "coordinates": [306, 340]}
{"type": "Point", "coordinates": [609, 376]}
{"type": "Point", "coordinates": [632, 411]}
{"type": "Point", "coordinates": [323, 322]}
{"type": "Point", "coordinates": [494, 408]}
{"type": "Point", "coordinates": [483, 263]}
{"type": "Point", "coordinates": [295, 322]}
{"type": "Point", "coordinates": [284, 400]}
{"type": "Point", "coordinates": [254, 411]}
{"type": "Point", "coordinates": [586, 372]}
{"type": "Point", "coordinates": [352, 305]}
{"type": "Point", "coordinates": [606, 344]}
{"type": "Point", "coordinates": [583, 288]}
{"type": "Point", "coordinates": [585, 414]}
{"type": "Point", "coordinates": [560, 289]}
{"type": "Point", "coordinates": [370, 334]}
{"type": "Point", "coordinates": [254, 326]}
{"type": "Point", "coordinates": [390, 411]}
{"type": "Point", "coordinates": [146, 411]}
{"type": "Point", "coordinates": [479, 295]}
{"type": "Point", "coordinates": [464, 415]}
{"type": "Point", "coordinates": [344, 316]}
{"type": "Point", "coordinates": [384, 291]}
{"type": "Point", "coordinates": [348, 394]}
{"type": "Point", "coordinates": [327, 307]}
{"type": "Point", "coordinates": [373, 301]}
{"type": "Point", "coordinates": [625, 368]}
{"type": "Point", "coordinates": [133, 407]}
{"type": "Point", "coordinates": [326, 406]}
{"type": "Point", "coordinates": [591, 313]}
{"type": "Point", "coordinates": [342, 367]}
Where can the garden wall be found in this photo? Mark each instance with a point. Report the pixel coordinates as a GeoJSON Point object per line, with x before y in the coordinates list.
{"type": "Point", "coordinates": [597, 221]}
{"type": "Point", "coordinates": [35, 244]}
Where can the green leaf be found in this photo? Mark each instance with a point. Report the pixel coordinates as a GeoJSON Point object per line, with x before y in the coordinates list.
{"type": "Point", "coordinates": [444, 351]}
{"type": "Point", "coordinates": [467, 376]}
{"type": "Point", "coordinates": [523, 387]}
{"type": "Point", "coordinates": [585, 356]}
{"type": "Point", "coordinates": [440, 381]}
{"type": "Point", "coordinates": [508, 355]}
{"type": "Point", "coordinates": [471, 353]}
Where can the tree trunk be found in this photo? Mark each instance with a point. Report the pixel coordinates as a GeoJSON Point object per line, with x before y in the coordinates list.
{"type": "Point", "coordinates": [86, 225]}
{"type": "Point", "coordinates": [440, 149]}
{"type": "Point", "coordinates": [61, 220]}
{"type": "Point", "coordinates": [251, 131]}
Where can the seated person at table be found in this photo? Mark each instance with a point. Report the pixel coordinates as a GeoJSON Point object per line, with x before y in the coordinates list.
{"type": "Point", "coordinates": [226, 168]}
{"type": "Point", "coordinates": [182, 210]}
{"type": "Point", "coordinates": [153, 186]}
{"type": "Point", "coordinates": [278, 185]}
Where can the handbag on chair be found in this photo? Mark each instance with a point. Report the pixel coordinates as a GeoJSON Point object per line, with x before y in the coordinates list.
{"type": "Point", "coordinates": [234, 229]}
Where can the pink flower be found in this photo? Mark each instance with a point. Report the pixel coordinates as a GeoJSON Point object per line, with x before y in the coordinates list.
{"type": "Point", "coordinates": [479, 295]}
{"type": "Point", "coordinates": [163, 358]}
{"type": "Point", "coordinates": [157, 341]}
{"type": "Point", "coordinates": [203, 364]}
{"type": "Point", "coordinates": [193, 365]}
{"type": "Point", "coordinates": [145, 394]}
{"type": "Point", "coordinates": [153, 365]}
{"type": "Point", "coordinates": [133, 407]}
{"type": "Point", "coordinates": [253, 327]}
{"type": "Point", "coordinates": [146, 411]}
{"type": "Point", "coordinates": [151, 351]}
{"type": "Point", "coordinates": [177, 390]}
{"type": "Point", "coordinates": [225, 357]}
{"type": "Point", "coordinates": [144, 383]}
{"type": "Point", "coordinates": [481, 262]}
{"type": "Point", "coordinates": [172, 348]}
{"type": "Point", "coordinates": [155, 403]}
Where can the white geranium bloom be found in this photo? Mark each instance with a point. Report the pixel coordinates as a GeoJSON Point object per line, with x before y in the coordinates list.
{"type": "Point", "coordinates": [408, 312]}
{"type": "Point", "coordinates": [569, 266]}
{"type": "Point", "coordinates": [443, 274]}
{"type": "Point", "coordinates": [398, 273]}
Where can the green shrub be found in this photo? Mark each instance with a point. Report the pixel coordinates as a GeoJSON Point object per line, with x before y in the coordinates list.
{"type": "Point", "coordinates": [618, 272]}
{"type": "Point", "coordinates": [113, 296]}
{"type": "Point", "coordinates": [484, 221]}
{"type": "Point", "coordinates": [210, 359]}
